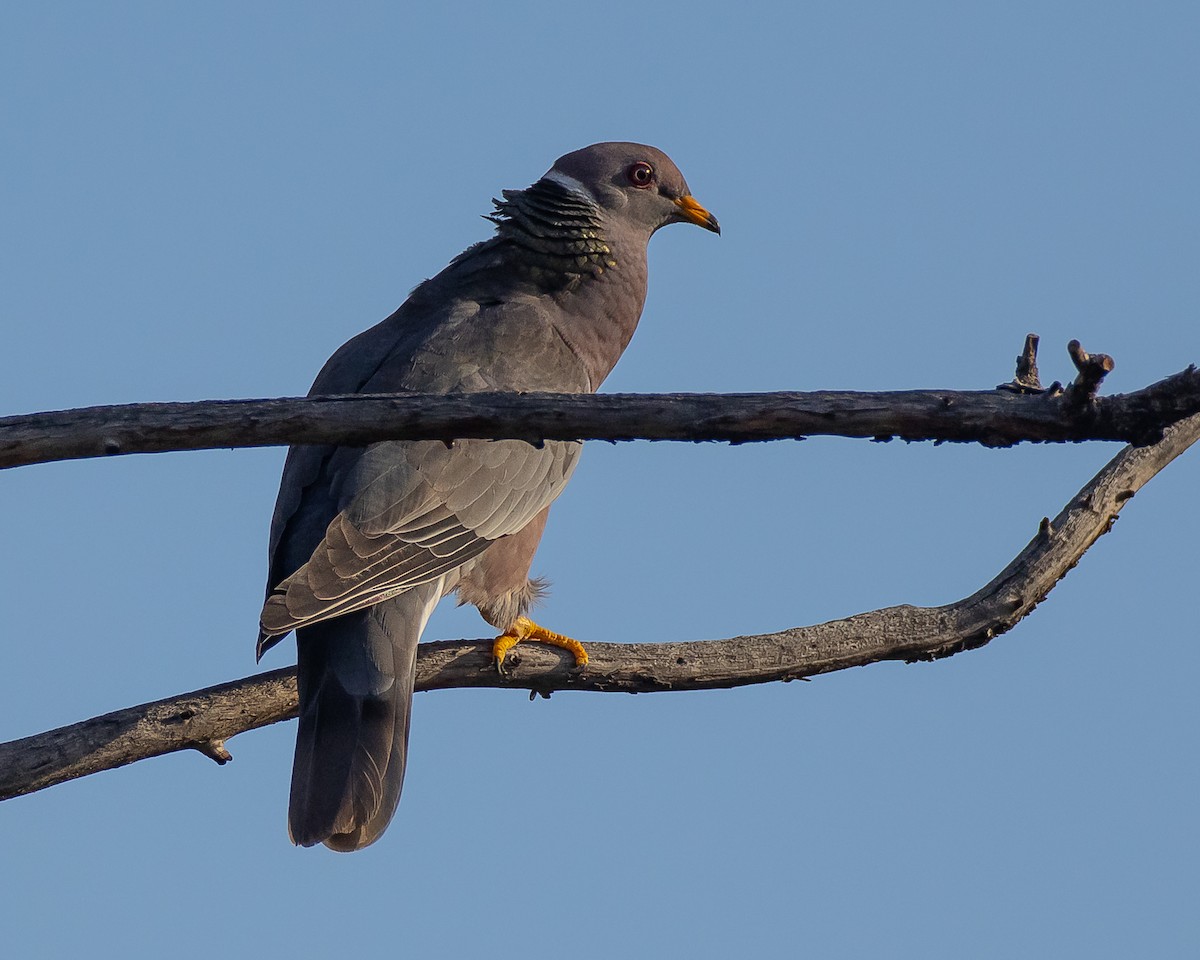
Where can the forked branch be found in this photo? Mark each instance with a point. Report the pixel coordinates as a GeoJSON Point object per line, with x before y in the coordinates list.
{"type": "Point", "coordinates": [204, 719]}
{"type": "Point", "coordinates": [1163, 418]}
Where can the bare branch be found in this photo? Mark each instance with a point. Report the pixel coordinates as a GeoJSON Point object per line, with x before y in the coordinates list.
{"type": "Point", "coordinates": [204, 719]}
{"type": "Point", "coordinates": [994, 418]}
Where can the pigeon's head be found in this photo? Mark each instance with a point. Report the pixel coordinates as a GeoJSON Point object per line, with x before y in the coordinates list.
{"type": "Point", "coordinates": [636, 185]}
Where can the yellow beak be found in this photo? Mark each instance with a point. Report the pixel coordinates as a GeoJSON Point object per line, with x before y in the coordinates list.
{"type": "Point", "coordinates": [692, 212]}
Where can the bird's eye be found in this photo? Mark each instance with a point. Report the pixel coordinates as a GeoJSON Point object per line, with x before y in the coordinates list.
{"type": "Point", "coordinates": [641, 174]}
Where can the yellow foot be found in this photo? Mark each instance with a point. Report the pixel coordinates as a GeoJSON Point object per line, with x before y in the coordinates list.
{"type": "Point", "coordinates": [526, 629]}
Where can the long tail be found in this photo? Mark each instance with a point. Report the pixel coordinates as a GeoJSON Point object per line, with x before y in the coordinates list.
{"type": "Point", "coordinates": [356, 685]}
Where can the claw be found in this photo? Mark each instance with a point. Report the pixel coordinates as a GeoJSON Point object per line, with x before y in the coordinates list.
{"type": "Point", "coordinates": [526, 629]}
{"type": "Point", "coordinates": [500, 647]}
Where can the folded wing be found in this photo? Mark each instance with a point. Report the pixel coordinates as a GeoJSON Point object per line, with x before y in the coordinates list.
{"type": "Point", "coordinates": [407, 513]}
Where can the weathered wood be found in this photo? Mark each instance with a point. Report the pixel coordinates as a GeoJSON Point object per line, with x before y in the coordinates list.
{"type": "Point", "coordinates": [204, 719]}
{"type": "Point", "coordinates": [993, 417]}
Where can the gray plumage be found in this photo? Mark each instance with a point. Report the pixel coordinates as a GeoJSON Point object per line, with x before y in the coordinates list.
{"type": "Point", "coordinates": [365, 541]}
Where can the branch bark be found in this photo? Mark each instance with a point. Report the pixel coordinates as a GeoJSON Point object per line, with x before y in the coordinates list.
{"type": "Point", "coordinates": [995, 417]}
{"type": "Point", "coordinates": [205, 719]}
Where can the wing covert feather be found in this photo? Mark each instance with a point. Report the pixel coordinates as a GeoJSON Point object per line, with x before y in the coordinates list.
{"type": "Point", "coordinates": [418, 513]}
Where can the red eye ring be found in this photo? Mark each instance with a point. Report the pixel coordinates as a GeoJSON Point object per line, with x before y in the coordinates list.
{"type": "Point", "coordinates": [641, 174]}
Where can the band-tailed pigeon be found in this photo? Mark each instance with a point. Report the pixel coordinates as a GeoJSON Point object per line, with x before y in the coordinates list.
{"type": "Point", "coordinates": [366, 540]}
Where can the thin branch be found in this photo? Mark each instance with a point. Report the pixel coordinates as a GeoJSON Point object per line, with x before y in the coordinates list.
{"type": "Point", "coordinates": [1092, 369]}
{"type": "Point", "coordinates": [994, 417]}
{"type": "Point", "coordinates": [204, 719]}
{"type": "Point", "coordinates": [1027, 379]}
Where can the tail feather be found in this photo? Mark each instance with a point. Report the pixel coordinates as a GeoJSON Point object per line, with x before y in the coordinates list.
{"type": "Point", "coordinates": [356, 682]}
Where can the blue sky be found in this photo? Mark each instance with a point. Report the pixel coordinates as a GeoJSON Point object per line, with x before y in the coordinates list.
{"type": "Point", "coordinates": [204, 201]}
